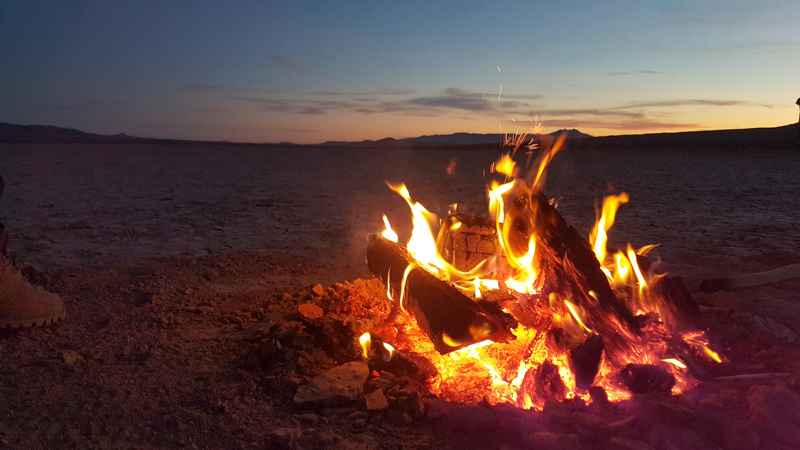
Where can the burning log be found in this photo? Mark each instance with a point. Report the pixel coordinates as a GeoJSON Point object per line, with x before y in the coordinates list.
{"type": "Point", "coordinates": [570, 266]}
{"type": "Point", "coordinates": [673, 292]}
{"type": "Point", "coordinates": [644, 378]}
{"type": "Point", "coordinates": [584, 360]}
{"type": "Point", "coordinates": [450, 319]}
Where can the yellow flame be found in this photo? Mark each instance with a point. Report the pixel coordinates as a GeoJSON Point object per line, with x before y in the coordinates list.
{"type": "Point", "coordinates": [712, 354]}
{"type": "Point", "coordinates": [365, 340]}
{"type": "Point", "coordinates": [675, 362]}
{"type": "Point", "coordinates": [390, 349]}
{"type": "Point", "coordinates": [403, 286]}
{"type": "Point", "coordinates": [496, 204]}
{"type": "Point", "coordinates": [388, 233]}
{"type": "Point", "coordinates": [635, 264]}
{"type": "Point", "coordinates": [598, 238]}
{"type": "Point", "coordinates": [575, 316]}
{"type": "Point", "coordinates": [506, 166]}
{"type": "Point", "coordinates": [538, 180]}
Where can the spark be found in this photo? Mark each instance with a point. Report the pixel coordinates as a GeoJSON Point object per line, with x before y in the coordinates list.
{"type": "Point", "coordinates": [500, 93]}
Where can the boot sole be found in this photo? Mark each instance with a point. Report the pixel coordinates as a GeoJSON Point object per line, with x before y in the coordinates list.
{"type": "Point", "coordinates": [41, 322]}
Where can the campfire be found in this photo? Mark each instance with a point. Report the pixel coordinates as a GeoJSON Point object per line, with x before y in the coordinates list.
{"type": "Point", "coordinates": [522, 309]}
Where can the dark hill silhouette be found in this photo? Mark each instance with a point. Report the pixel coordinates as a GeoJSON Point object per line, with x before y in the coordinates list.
{"type": "Point", "coordinates": [447, 140]}
{"type": "Point", "coordinates": [47, 133]}
{"type": "Point", "coordinates": [784, 137]}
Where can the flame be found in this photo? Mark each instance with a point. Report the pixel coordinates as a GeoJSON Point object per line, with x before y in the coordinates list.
{"type": "Point", "coordinates": [549, 327]}
{"type": "Point", "coordinates": [388, 233]}
{"type": "Point", "coordinates": [365, 340]}
{"type": "Point", "coordinates": [574, 313]}
{"type": "Point", "coordinates": [598, 238]}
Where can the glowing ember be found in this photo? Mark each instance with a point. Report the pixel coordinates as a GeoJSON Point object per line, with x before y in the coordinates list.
{"type": "Point", "coordinates": [564, 340]}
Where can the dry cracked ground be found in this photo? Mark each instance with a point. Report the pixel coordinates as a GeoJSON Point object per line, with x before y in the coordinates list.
{"type": "Point", "coordinates": [187, 275]}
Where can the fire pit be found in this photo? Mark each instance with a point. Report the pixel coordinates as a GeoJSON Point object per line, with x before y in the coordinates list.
{"type": "Point", "coordinates": [521, 309]}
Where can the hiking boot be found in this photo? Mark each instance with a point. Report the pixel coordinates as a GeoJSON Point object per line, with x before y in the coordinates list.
{"type": "Point", "coordinates": [23, 305]}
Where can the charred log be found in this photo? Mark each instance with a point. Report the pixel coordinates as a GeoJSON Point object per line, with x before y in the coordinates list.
{"type": "Point", "coordinates": [584, 360]}
{"type": "Point", "coordinates": [674, 293]}
{"type": "Point", "coordinates": [544, 383]}
{"type": "Point", "coordinates": [401, 363]}
{"type": "Point", "coordinates": [450, 319]}
{"type": "Point", "coordinates": [644, 378]}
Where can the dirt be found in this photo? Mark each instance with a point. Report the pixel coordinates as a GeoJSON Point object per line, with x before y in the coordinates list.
{"type": "Point", "coordinates": [169, 260]}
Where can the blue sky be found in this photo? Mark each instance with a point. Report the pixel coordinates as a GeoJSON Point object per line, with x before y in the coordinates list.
{"type": "Point", "coordinates": [307, 72]}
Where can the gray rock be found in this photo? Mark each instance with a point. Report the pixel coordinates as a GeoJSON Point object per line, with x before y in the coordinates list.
{"type": "Point", "coordinates": [337, 386]}
{"type": "Point", "coordinates": [618, 443]}
{"type": "Point", "coordinates": [553, 441]}
{"type": "Point", "coordinates": [775, 415]}
{"type": "Point", "coordinates": [471, 417]}
{"type": "Point", "coordinates": [283, 437]}
{"type": "Point", "coordinates": [768, 330]}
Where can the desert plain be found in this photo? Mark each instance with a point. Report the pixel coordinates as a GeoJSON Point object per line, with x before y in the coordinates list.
{"type": "Point", "coordinates": [167, 255]}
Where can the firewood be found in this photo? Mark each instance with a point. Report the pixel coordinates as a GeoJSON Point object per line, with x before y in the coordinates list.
{"type": "Point", "coordinates": [644, 378]}
{"type": "Point", "coordinates": [584, 360]}
{"type": "Point", "coordinates": [751, 279]}
{"type": "Point", "coordinates": [570, 268]}
{"type": "Point", "coordinates": [450, 319]}
{"type": "Point", "coordinates": [674, 292]}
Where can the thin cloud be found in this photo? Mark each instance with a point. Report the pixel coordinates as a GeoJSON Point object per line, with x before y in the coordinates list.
{"type": "Point", "coordinates": [688, 102]}
{"type": "Point", "coordinates": [464, 103]}
{"type": "Point", "coordinates": [369, 93]}
{"type": "Point", "coordinates": [635, 72]}
{"type": "Point", "coordinates": [204, 87]}
{"type": "Point", "coordinates": [631, 125]}
{"type": "Point", "coordinates": [289, 63]}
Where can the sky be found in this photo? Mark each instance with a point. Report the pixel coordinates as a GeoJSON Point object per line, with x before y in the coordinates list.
{"type": "Point", "coordinates": [314, 71]}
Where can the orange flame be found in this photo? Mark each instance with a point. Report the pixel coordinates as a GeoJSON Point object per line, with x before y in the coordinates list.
{"type": "Point", "coordinates": [508, 371]}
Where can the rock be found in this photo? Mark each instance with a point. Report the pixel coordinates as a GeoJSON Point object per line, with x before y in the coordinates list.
{"type": "Point", "coordinates": [585, 419]}
{"type": "Point", "coordinates": [618, 443]}
{"type": "Point", "coordinates": [724, 299]}
{"type": "Point", "coordinates": [310, 310]}
{"type": "Point", "coordinates": [202, 309]}
{"type": "Point", "coordinates": [553, 441]}
{"type": "Point", "coordinates": [376, 401]}
{"type": "Point", "coordinates": [775, 415]}
{"type": "Point", "coordinates": [471, 417]}
{"type": "Point", "coordinates": [337, 386]}
{"type": "Point", "coordinates": [70, 357]}
{"type": "Point", "coordinates": [200, 333]}
{"type": "Point", "coordinates": [318, 290]}
{"type": "Point", "coordinates": [438, 408]}
{"type": "Point", "coordinates": [738, 436]}
{"type": "Point", "coordinates": [211, 275]}
{"type": "Point", "coordinates": [283, 437]}
{"type": "Point", "coordinates": [767, 329]}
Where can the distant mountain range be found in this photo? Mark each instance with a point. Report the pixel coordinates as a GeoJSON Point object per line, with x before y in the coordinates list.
{"type": "Point", "coordinates": [785, 137]}
{"type": "Point", "coordinates": [447, 140]}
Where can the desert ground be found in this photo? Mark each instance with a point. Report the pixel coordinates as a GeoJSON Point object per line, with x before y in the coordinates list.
{"type": "Point", "coordinates": [170, 257]}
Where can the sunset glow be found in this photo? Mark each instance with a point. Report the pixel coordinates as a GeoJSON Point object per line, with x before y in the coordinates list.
{"type": "Point", "coordinates": [309, 73]}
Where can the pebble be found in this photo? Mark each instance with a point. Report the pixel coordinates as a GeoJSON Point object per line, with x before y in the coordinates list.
{"type": "Point", "coordinates": [70, 357]}
{"type": "Point", "coordinates": [283, 437]}
{"type": "Point", "coordinates": [376, 401]}
{"type": "Point", "coordinates": [310, 311]}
